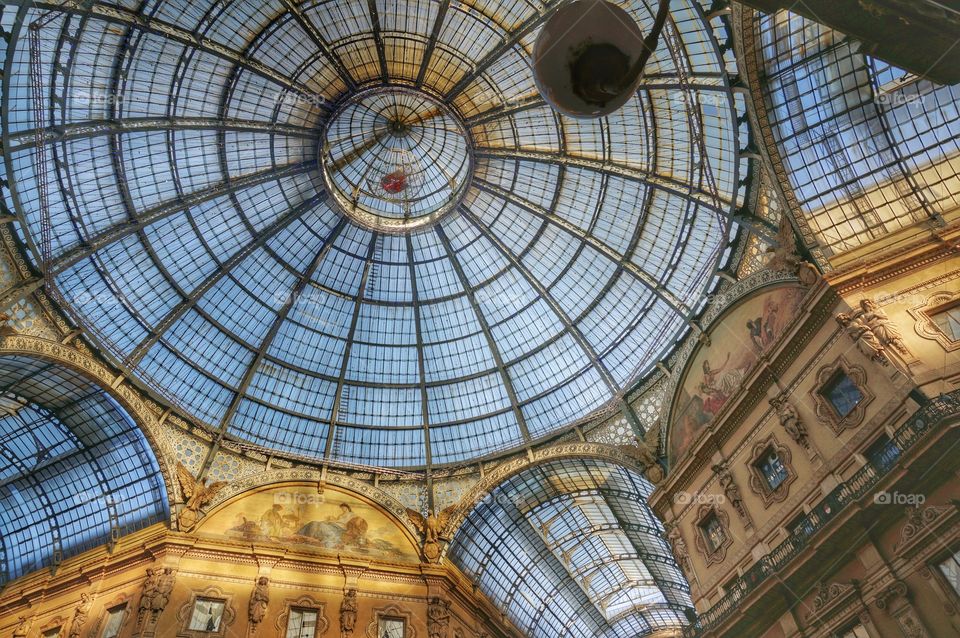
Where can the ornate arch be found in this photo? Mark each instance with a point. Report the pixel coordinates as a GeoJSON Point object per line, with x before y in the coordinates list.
{"type": "Point", "coordinates": [137, 407]}
{"type": "Point", "coordinates": [511, 468]}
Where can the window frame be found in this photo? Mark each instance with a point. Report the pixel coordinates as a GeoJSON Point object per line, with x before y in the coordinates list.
{"type": "Point", "coordinates": [758, 482]}
{"type": "Point", "coordinates": [712, 553]}
{"type": "Point", "coordinates": [825, 410]}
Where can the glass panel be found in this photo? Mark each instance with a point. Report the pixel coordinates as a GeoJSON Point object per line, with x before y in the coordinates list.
{"type": "Point", "coordinates": [111, 628]}
{"type": "Point", "coordinates": [207, 615]}
{"type": "Point", "coordinates": [772, 469]}
{"type": "Point", "coordinates": [950, 569]}
{"type": "Point", "coordinates": [948, 321]}
{"type": "Point", "coordinates": [391, 628]}
{"type": "Point", "coordinates": [302, 623]}
{"type": "Point", "coordinates": [713, 532]}
{"type": "Point", "coordinates": [843, 394]}
{"type": "Point", "coordinates": [197, 243]}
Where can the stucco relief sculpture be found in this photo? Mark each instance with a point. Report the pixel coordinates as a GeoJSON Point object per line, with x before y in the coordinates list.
{"type": "Point", "coordinates": [431, 528]}
{"type": "Point", "coordinates": [790, 421]}
{"type": "Point", "coordinates": [348, 613]}
{"type": "Point", "coordinates": [785, 257]}
{"type": "Point", "coordinates": [438, 618]}
{"type": "Point", "coordinates": [885, 330]}
{"type": "Point", "coordinates": [259, 600]}
{"type": "Point", "coordinates": [873, 331]}
{"type": "Point", "coordinates": [80, 615]}
{"type": "Point", "coordinates": [155, 595]}
{"type": "Point", "coordinates": [732, 492]}
{"type": "Point", "coordinates": [197, 495]}
{"type": "Point", "coordinates": [645, 452]}
{"type": "Point", "coordinates": [679, 548]}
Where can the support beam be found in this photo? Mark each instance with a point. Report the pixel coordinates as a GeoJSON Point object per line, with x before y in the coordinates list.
{"type": "Point", "coordinates": [432, 43]}
{"type": "Point", "coordinates": [288, 304]}
{"type": "Point", "coordinates": [919, 36]}
{"type": "Point", "coordinates": [190, 300]}
{"type": "Point", "coordinates": [25, 140]}
{"type": "Point", "coordinates": [622, 261]}
{"type": "Point", "coordinates": [321, 44]}
{"type": "Point", "coordinates": [485, 327]}
{"type": "Point", "coordinates": [664, 183]}
{"type": "Point", "coordinates": [132, 19]}
{"type": "Point", "coordinates": [378, 39]}
{"type": "Point", "coordinates": [150, 216]}
{"type": "Point", "coordinates": [525, 28]}
{"type": "Point", "coordinates": [347, 350]}
{"type": "Point", "coordinates": [565, 319]}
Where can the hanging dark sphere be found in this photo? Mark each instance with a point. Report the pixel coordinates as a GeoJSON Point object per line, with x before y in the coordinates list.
{"type": "Point", "coordinates": [589, 57]}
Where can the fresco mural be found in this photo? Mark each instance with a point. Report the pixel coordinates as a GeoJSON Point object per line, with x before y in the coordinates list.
{"type": "Point", "coordinates": [716, 373]}
{"type": "Point", "coordinates": [335, 521]}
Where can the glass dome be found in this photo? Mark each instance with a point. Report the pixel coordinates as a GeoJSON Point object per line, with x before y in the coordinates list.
{"type": "Point", "coordinates": [352, 230]}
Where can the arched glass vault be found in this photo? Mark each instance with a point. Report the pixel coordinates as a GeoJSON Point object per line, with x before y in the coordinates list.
{"type": "Point", "coordinates": [868, 149]}
{"type": "Point", "coordinates": [177, 149]}
{"type": "Point", "coordinates": [571, 548]}
{"type": "Point", "coordinates": [75, 470]}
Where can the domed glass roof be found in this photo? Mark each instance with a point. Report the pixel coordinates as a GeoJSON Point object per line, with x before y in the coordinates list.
{"type": "Point", "coordinates": [352, 230]}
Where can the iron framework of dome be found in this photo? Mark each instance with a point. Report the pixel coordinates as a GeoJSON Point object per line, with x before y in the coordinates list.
{"type": "Point", "coordinates": [177, 149]}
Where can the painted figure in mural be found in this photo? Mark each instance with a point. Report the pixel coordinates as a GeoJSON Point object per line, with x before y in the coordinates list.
{"type": "Point", "coordinates": [271, 522]}
{"type": "Point", "coordinates": [344, 529]}
{"type": "Point", "coordinates": [717, 388]}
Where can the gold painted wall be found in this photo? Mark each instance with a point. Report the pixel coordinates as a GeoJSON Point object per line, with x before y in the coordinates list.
{"type": "Point", "coordinates": [321, 546]}
{"type": "Point", "coordinates": [875, 561]}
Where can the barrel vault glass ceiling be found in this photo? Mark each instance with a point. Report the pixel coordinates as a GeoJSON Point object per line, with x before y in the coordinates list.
{"type": "Point", "coordinates": [572, 549]}
{"type": "Point", "coordinates": [75, 470]}
{"type": "Point", "coordinates": [227, 225]}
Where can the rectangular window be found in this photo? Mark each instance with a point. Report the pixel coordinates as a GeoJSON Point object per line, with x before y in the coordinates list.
{"type": "Point", "coordinates": [947, 319]}
{"type": "Point", "coordinates": [302, 623]}
{"type": "Point", "coordinates": [842, 393]}
{"type": "Point", "coordinates": [713, 532]}
{"type": "Point", "coordinates": [772, 469]}
{"type": "Point", "coordinates": [111, 628]}
{"type": "Point", "coordinates": [207, 614]}
{"type": "Point", "coordinates": [391, 628]}
{"type": "Point", "coordinates": [854, 631]}
{"type": "Point", "coordinates": [950, 569]}
{"type": "Point", "coordinates": [51, 633]}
